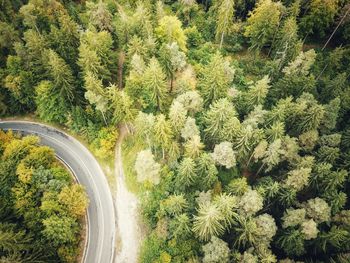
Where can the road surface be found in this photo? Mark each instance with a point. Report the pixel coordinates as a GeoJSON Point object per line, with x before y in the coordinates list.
{"type": "Point", "coordinates": [100, 214]}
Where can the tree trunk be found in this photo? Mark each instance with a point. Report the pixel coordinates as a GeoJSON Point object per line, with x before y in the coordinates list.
{"type": "Point", "coordinates": [171, 83]}
{"type": "Point", "coordinates": [158, 104]}
{"type": "Point", "coordinates": [262, 166]}
{"type": "Point", "coordinates": [336, 28]}
{"type": "Point", "coordinates": [104, 118]}
{"type": "Point", "coordinates": [222, 40]}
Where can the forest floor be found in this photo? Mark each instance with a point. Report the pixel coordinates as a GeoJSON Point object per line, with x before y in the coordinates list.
{"type": "Point", "coordinates": [129, 232]}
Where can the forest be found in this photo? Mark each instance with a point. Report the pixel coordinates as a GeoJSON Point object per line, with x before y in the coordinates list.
{"type": "Point", "coordinates": [238, 120]}
{"type": "Point", "coordinates": [42, 209]}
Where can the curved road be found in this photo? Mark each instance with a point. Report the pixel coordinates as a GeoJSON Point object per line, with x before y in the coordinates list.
{"type": "Point", "coordinates": [101, 217]}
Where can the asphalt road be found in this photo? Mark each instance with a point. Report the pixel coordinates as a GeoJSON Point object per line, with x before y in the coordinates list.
{"type": "Point", "coordinates": [101, 217]}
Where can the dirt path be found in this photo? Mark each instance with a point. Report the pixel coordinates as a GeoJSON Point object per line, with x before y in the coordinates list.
{"type": "Point", "coordinates": [128, 230]}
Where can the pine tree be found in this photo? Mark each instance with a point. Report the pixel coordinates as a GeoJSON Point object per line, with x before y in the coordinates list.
{"type": "Point", "coordinates": [99, 16]}
{"type": "Point", "coordinates": [193, 147]}
{"type": "Point", "coordinates": [170, 30]}
{"type": "Point", "coordinates": [216, 121]}
{"type": "Point", "coordinates": [96, 94]}
{"type": "Point", "coordinates": [177, 115]}
{"type": "Point", "coordinates": [61, 76]}
{"type": "Point", "coordinates": [173, 60]}
{"type": "Point", "coordinates": [163, 134]}
{"type": "Point", "coordinates": [51, 106]}
{"type": "Point", "coordinates": [263, 23]}
{"type": "Point", "coordinates": [214, 84]}
{"type": "Point", "coordinates": [206, 169]}
{"type": "Point", "coordinates": [186, 172]}
{"type": "Point", "coordinates": [208, 222]}
{"type": "Point", "coordinates": [224, 18]}
{"type": "Point", "coordinates": [154, 83]}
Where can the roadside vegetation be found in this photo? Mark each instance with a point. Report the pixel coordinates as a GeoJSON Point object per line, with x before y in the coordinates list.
{"type": "Point", "coordinates": [42, 208]}
{"type": "Point", "coordinates": [237, 111]}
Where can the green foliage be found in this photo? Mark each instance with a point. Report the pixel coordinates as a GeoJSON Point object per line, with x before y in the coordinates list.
{"type": "Point", "coordinates": [42, 200]}
{"type": "Point", "coordinates": [214, 84]}
{"type": "Point", "coordinates": [263, 23]}
{"type": "Point", "coordinates": [247, 149]}
{"type": "Point", "coordinates": [170, 30]}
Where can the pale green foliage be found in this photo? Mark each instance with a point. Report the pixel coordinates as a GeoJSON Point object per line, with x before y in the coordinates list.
{"type": "Point", "coordinates": [99, 15]}
{"type": "Point", "coordinates": [144, 126]}
{"type": "Point", "coordinates": [214, 84]}
{"type": "Point", "coordinates": [227, 204]}
{"type": "Point", "coordinates": [266, 227]}
{"type": "Point", "coordinates": [238, 186]}
{"type": "Point", "coordinates": [255, 117]}
{"type": "Point", "coordinates": [224, 155]}
{"type": "Point", "coordinates": [204, 198]}
{"type": "Point", "coordinates": [216, 118]}
{"type": "Point", "coordinates": [162, 132]}
{"type": "Point", "coordinates": [170, 30]}
{"type": "Point", "coordinates": [246, 139]}
{"type": "Point", "coordinates": [256, 94]}
{"type": "Point", "coordinates": [308, 140]}
{"type": "Point", "coordinates": [265, 254]}
{"type": "Point", "coordinates": [177, 115]}
{"type": "Point", "coordinates": [272, 156]}
{"type": "Point", "coordinates": [206, 169]}
{"type": "Point", "coordinates": [180, 226]}
{"type": "Point", "coordinates": [154, 82]}
{"type": "Point", "coordinates": [302, 63]}
{"type": "Point", "coordinates": [248, 258]}
{"type": "Point", "coordinates": [245, 231]}
{"type": "Point", "coordinates": [147, 169]}
{"type": "Point", "coordinates": [293, 217]}
{"type": "Point", "coordinates": [175, 204]}
{"type": "Point", "coordinates": [309, 229]}
{"type": "Point", "coordinates": [224, 18]}
{"type": "Point", "coordinates": [251, 202]}
{"type": "Point", "coordinates": [298, 179]}
{"type": "Point", "coordinates": [191, 100]}
{"type": "Point", "coordinates": [190, 129]}
{"type": "Point", "coordinates": [134, 23]}
{"type": "Point", "coordinates": [275, 131]}
{"type": "Point", "coordinates": [208, 222]}
{"type": "Point", "coordinates": [121, 104]}
{"type": "Point", "coordinates": [186, 81]}
{"type": "Point", "coordinates": [318, 210]}
{"type": "Point", "coordinates": [216, 251]}
{"type": "Point", "coordinates": [136, 46]}
{"type": "Point", "coordinates": [193, 147]}
{"type": "Point", "coordinates": [263, 23]}
{"type": "Point", "coordinates": [290, 149]}
{"type": "Point", "coordinates": [95, 92]}
{"type": "Point", "coordinates": [260, 149]}
{"type": "Point", "coordinates": [172, 58]}
{"type": "Point", "coordinates": [187, 172]}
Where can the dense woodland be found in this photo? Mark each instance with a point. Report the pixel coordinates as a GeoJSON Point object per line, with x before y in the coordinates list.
{"type": "Point", "coordinates": [240, 110]}
{"type": "Point", "coordinates": [41, 209]}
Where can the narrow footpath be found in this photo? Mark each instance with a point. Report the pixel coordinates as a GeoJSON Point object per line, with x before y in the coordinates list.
{"type": "Point", "coordinates": [128, 229]}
